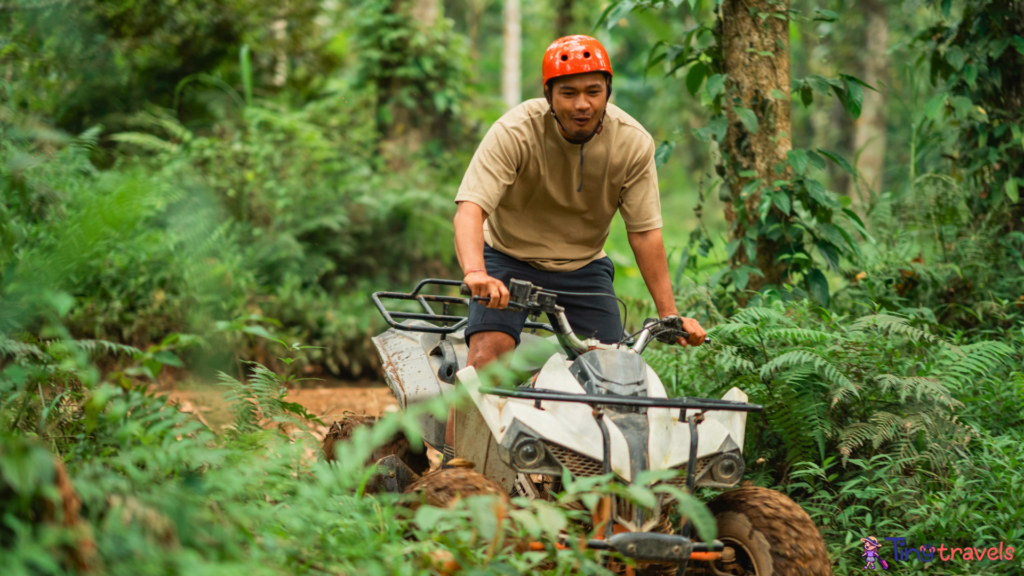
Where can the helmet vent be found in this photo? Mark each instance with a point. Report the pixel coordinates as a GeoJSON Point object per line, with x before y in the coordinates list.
{"type": "Point", "coordinates": [586, 54]}
{"type": "Point", "coordinates": [564, 57]}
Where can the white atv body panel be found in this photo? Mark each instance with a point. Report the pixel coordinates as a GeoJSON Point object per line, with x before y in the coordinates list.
{"type": "Point", "coordinates": [411, 373]}
{"type": "Point", "coordinates": [573, 425]}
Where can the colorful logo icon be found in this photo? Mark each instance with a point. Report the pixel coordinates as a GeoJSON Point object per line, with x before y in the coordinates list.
{"type": "Point", "coordinates": [871, 557]}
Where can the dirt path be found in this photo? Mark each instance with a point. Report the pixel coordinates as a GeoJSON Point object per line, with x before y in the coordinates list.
{"type": "Point", "coordinates": [329, 403]}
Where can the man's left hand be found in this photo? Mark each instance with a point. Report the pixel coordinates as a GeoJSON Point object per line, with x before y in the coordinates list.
{"type": "Point", "coordinates": [697, 334]}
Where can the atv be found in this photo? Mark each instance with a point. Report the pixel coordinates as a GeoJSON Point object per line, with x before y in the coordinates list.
{"type": "Point", "coordinates": [593, 409]}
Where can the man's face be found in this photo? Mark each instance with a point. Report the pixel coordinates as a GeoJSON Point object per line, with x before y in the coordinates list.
{"type": "Point", "coordinates": [579, 102]}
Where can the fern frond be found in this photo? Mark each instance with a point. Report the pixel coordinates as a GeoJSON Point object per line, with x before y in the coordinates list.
{"type": "Point", "coordinates": [978, 360]}
{"type": "Point", "coordinates": [760, 315]}
{"type": "Point", "coordinates": [730, 360]}
{"type": "Point", "coordinates": [733, 331]}
{"type": "Point", "coordinates": [799, 335]}
{"type": "Point", "coordinates": [105, 346]}
{"type": "Point", "coordinates": [797, 357]}
{"type": "Point", "coordinates": [797, 415]}
{"type": "Point", "coordinates": [919, 387]}
{"type": "Point", "coordinates": [145, 141]}
{"type": "Point", "coordinates": [893, 325]}
{"type": "Point", "coordinates": [19, 350]}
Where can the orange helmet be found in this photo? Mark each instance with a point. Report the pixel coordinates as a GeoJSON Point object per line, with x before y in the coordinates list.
{"type": "Point", "coordinates": [575, 55]}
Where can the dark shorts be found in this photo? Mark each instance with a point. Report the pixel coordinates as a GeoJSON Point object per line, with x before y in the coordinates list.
{"type": "Point", "coordinates": [589, 316]}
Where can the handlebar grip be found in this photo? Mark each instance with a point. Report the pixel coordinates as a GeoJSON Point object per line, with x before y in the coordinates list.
{"type": "Point", "coordinates": [465, 291]}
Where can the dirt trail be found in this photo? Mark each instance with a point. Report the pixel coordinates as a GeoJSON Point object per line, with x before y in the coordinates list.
{"type": "Point", "coordinates": [329, 403]}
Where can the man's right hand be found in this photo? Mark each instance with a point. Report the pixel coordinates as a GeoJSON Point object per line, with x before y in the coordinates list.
{"type": "Point", "coordinates": [488, 287]}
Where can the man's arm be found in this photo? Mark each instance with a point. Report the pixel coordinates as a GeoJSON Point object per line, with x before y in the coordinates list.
{"type": "Point", "coordinates": [469, 248]}
{"type": "Point", "coordinates": [649, 249]}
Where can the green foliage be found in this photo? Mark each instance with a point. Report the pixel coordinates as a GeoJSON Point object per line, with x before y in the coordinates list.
{"type": "Point", "coordinates": [976, 63]}
{"type": "Point", "coordinates": [875, 423]}
{"type": "Point", "coordinates": [92, 62]}
{"type": "Point", "coordinates": [796, 217]}
{"type": "Point", "coordinates": [419, 69]}
{"type": "Point", "coordinates": [279, 216]}
{"type": "Point", "coordinates": [160, 491]}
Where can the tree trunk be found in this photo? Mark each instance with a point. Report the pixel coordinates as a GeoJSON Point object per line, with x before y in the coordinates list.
{"type": "Point", "coordinates": [563, 18]}
{"type": "Point", "coordinates": [511, 71]}
{"type": "Point", "coordinates": [280, 29]}
{"type": "Point", "coordinates": [752, 76]}
{"type": "Point", "coordinates": [869, 135]}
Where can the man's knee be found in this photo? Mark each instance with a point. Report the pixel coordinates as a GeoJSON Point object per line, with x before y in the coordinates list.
{"type": "Point", "coordinates": [485, 347]}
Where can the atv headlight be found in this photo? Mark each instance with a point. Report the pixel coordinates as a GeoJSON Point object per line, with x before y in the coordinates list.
{"type": "Point", "coordinates": [727, 468]}
{"type": "Point", "coordinates": [528, 453]}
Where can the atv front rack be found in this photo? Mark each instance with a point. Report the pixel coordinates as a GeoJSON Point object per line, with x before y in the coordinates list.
{"type": "Point", "coordinates": [449, 322]}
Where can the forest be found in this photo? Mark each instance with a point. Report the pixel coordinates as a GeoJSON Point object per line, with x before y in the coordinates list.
{"type": "Point", "coordinates": [198, 197]}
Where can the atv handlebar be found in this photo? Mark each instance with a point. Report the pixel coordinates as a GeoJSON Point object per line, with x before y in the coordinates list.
{"type": "Point", "coordinates": [523, 296]}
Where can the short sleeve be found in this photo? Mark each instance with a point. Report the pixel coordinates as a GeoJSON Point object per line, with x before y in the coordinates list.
{"type": "Point", "coordinates": [639, 202]}
{"type": "Point", "coordinates": [492, 170]}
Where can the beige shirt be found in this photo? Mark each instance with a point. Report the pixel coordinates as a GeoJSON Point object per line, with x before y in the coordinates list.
{"type": "Point", "coordinates": [525, 176]}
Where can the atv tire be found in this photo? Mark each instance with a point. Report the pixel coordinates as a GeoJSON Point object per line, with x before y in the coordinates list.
{"type": "Point", "coordinates": [770, 534]}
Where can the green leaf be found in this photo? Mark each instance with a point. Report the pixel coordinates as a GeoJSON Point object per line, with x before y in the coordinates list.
{"type": "Point", "coordinates": [740, 277]}
{"type": "Point", "coordinates": [829, 252]}
{"type": "Point", "coordinates": [797, 159]}
{"type": "Point", "coordinates": [731, 247]}
{"type": "Point", "coordinates": [1018, 43]}
{"type": "Point", "coordinates": [934, 107]}
{"type": "Point", "coordinates": [257, 330]}
{"type": "Point", "coordinates": [695, 76]}
{"type": "Point", "coordinates": [663, 153]}
{"type": "Point", "coordinates": [168, 359]}
{"type": "Point", "coordinates": [850, 78]}
{"type": "Point", "coordinates": [749, 188]}
{"type": "Point", "coordinates": [806, 96]}
{"type": "Point", "coordinates": [816, 161]}
{"type": "Point", "coordinates": [620, 12]}
{"type": "Point", "coordinates": [857, 224]}
{"type": "Point", "coordinates": [245, 64]}
{"type": "Point", "coordinates": [428, 516]}
{"type": "Point", "coordinates": [839, 160]}
{"type": "Point", "coordinates": [715, 85]}
{"type": "Point", "coordinates": [818, 84]}
{"type": "Point", "coordinates": [817, 286]}
{"type": "Point", "coordinates": [1012, 192]}
{"type": "Point", "coordinates": [777, 94]}
{"type": "Point", "coordinates": [962, 106]}
{"type": "Point", "coordinates": [781, 201]}
{"type": "Point", "coordinates": [998, 47]}
{"type": "Point", "coordinates": [817, 191]}
{"type": "Point", "coordinates": [851, 96]}
{"type": "Point", "coordinates": [747, 116]}
{"type": "Point", "coordinates": [653, 57]}
{"type": "Point", "coordinates": [825, 15]}
{"type": "Point", "coordinates": [718, 126]}
{"type": "Point", "coordinates": [956, 57]}
{"type": "Point", "coordinates": [971, 75]}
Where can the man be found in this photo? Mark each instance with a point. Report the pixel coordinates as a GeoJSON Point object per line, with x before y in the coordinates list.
{"type": "Point", "coordinates": [538, 199]}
